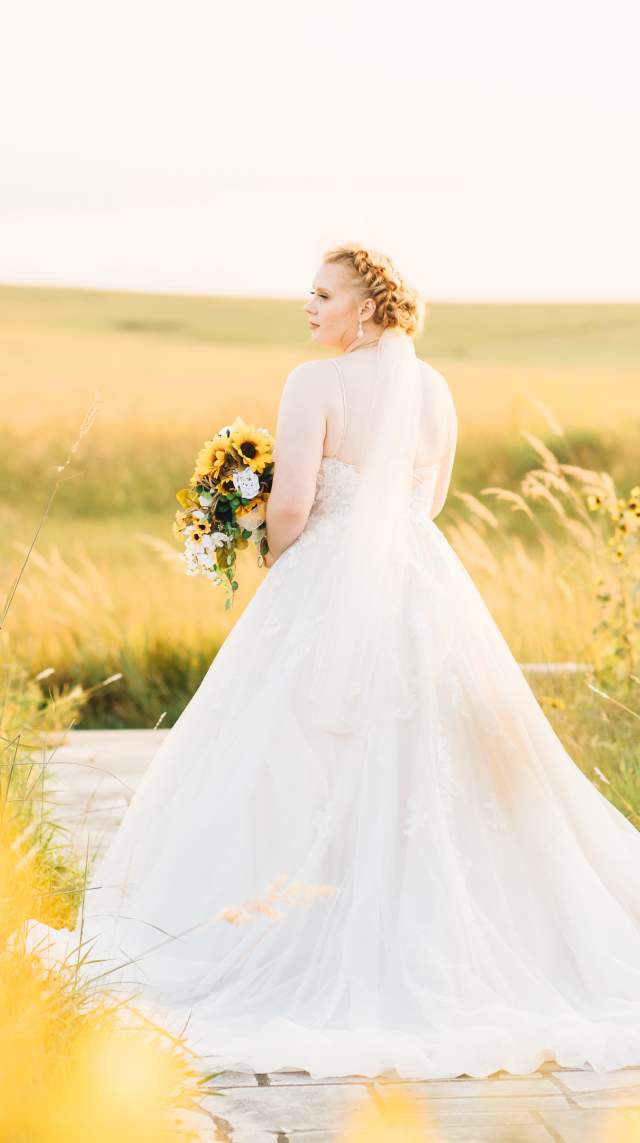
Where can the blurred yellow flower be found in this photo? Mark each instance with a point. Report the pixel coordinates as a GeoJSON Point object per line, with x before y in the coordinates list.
{"type": "Point", "coordinates": [552, 702]}
{"type": "Point", "coordinates": [393, 1118]}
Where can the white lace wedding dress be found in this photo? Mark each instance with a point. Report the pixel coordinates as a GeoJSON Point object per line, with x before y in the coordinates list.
{"type": "Point", "coordinates": [485, 909]}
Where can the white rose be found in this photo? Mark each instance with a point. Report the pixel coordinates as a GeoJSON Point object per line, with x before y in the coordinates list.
{"type": "Point", "coordinates": [246, 482]}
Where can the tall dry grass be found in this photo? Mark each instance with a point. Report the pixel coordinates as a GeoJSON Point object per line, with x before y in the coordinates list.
{"type": "Point", "coordinates": [103, 593]}
{"type": "Point", "coordinates": [586, 587]}
{"type": "Point", "coordinates": [75, 1063]}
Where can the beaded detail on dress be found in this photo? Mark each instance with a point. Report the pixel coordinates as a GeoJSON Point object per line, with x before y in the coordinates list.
{"type": "Point", "coordinates": [337, 481]}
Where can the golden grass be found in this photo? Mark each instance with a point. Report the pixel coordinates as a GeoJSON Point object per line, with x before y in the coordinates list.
{"type": "Point", "coordinates": [106, 587]}
{"type": "Point", "coordinates": [146, 385]}
{"type": "Point", "coordinates": [100, 599]}
{"type": "Point", "coordinates": [153, 384]}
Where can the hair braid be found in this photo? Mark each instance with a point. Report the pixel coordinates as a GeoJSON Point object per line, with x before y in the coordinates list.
{"type": "Point", "coordinates": [396, 303]}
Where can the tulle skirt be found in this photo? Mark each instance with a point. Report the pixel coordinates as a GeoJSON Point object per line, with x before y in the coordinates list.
{"type": "Point", "coordinates": [441, 894]}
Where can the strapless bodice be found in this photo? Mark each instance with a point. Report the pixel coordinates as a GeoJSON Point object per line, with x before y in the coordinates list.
{"type": "Point", "coordinates": [337, 480]}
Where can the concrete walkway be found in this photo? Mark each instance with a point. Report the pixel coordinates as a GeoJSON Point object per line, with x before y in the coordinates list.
{"type": "Point", "coordinates": [95, 774]}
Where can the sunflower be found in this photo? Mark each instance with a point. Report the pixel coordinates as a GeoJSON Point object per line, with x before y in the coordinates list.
{"type": "Point", "coordinates": [211, 457]}
{"type": "Point", "coordinates": [250, 445]}
{"type": "Point", "coordinates": [226, 485]}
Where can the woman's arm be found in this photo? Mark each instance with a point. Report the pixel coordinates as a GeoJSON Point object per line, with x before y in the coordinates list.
{"type": "Point", "coordinates": [298, 448]}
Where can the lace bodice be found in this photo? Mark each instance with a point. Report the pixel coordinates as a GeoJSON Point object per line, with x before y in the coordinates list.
{"type": "Point", "coordinates": [337, 480]}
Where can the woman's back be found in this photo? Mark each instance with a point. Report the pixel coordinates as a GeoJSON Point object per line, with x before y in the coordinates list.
{"type": "Point", "coordinates": [323, 412]}
{"type": "Point", "coordinates": [348, 382]}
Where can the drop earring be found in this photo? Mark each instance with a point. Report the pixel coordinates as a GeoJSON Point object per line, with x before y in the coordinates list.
{"type": "Point", "coordinates": [360, 332]}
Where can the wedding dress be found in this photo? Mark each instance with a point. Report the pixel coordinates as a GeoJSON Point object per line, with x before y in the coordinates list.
{"type": "Point", "coordinates": [472, 900]}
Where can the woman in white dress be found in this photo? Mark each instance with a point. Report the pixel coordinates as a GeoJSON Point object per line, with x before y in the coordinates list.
{"type": "Point", "coordinates": [472, 901]}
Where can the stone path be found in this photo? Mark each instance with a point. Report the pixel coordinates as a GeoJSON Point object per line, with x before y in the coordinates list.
{"type": "Point", "coordinates": [95, 774]}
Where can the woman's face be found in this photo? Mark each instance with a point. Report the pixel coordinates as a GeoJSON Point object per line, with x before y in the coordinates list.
{"type": "Point", "coordinates": [334, 307]}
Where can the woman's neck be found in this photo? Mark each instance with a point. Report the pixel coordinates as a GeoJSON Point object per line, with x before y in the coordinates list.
{"type": "Point", "coordinates": [362, 345]}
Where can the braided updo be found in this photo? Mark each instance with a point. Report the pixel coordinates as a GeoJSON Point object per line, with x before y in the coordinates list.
{"type": "Point", "coordinates": [397, 304]}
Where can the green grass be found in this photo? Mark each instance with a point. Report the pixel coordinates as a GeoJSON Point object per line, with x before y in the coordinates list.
{"type": "Point", "coordinates": [555, 333]}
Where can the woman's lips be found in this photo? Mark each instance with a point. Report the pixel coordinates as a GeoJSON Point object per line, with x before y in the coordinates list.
{"type": "Point", "coordinates": [313, 324]}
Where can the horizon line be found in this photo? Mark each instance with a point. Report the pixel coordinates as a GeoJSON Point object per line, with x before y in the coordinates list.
{"type": "Point", "coordinates": [443, 300]}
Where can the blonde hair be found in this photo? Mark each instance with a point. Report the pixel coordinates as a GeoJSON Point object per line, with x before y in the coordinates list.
{"type": "Point", "coordinates": [397, 304]}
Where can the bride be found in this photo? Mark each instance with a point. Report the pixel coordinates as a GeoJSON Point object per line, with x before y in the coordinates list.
{"type": "Point", "coordinates": [362, 846]}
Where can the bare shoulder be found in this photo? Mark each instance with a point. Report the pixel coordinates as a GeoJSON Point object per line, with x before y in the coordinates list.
{"type": "Point", "coordinates": [429, 373]}
{"type": "Point", "coordinates": [432, 377]}
{"type": "Point", "coordinates": [315, 373]}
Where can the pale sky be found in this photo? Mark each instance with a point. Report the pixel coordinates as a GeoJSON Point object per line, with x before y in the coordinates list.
{"type": "Point", "coordinates": [490, 147]}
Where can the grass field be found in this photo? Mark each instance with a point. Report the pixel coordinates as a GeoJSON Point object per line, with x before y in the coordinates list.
{"type": "Point", "coordinates": [103, 591]}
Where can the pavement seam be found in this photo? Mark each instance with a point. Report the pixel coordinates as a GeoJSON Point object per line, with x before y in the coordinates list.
{"type": "Point", "coordinates": [539, 1118]}
{"type": "Point", "coordinates": [224, 1130]}
{"type": "Point", "coordinates": [566, 1092]}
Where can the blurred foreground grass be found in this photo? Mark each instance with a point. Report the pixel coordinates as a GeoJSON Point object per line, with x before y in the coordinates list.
{"type": "Point", "coordinates": [76, 1062]}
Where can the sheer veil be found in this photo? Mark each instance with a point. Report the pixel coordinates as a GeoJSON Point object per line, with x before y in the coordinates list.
{"type": "Point", "coordinates": [355, 659]}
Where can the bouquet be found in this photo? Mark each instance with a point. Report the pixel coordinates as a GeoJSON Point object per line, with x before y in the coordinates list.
{"type": "Point", "coordinates": [224, 508]}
